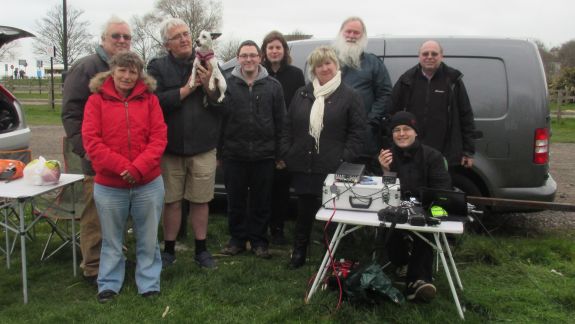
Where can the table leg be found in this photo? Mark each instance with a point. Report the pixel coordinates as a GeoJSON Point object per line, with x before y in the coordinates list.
{"type": "Point", "coordinates": [448, 249]}
{"type": "Point", "coordinates": [23, 249]}
{"type": "Point", "coordinates": [74, 228]}
{"type": "Point", "coordinates": [325, 262]}
{"type": "Point", "coordinates": [448, 274]}
{"type": "Point", "coordinates": [5, 212]}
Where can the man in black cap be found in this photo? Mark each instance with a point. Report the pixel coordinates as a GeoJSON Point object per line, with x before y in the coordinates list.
{"type": "Point", "coordinates": [417, 165]}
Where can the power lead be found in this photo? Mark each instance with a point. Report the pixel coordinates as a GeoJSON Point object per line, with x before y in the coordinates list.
{"type": "Point", "coordinates": [334, 191]}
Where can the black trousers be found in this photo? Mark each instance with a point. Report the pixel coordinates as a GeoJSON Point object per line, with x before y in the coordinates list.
{"type": "Point", "coordinates": [248, 186]}
{"type": "Point", "coordinates": [280, 201]}
{"type": "Point", "coordinates": [308, 206]}
{"type": "Point", "coordinates": [406, 248]}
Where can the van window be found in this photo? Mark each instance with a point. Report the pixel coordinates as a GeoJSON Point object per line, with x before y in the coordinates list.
{"type": "Point", "coordinates": [484, 78]}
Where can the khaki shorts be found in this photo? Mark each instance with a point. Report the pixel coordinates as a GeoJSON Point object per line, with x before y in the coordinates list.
{"type": "Point", "coordinates": [189, 177]}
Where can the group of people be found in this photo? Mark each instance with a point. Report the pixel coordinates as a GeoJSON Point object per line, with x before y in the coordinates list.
{"type": "Point", "coordinates": [149, 141]}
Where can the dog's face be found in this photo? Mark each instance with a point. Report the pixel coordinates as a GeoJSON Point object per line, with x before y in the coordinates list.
{"type": "Point", "coordinates": [204, 41]}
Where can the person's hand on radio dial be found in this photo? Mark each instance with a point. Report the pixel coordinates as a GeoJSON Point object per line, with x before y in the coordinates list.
{"type": "Point", "coordinates": [385, 159]}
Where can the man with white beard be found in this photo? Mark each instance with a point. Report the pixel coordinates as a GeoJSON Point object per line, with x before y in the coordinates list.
{"type": "Point", "coordinates": [367, 75]}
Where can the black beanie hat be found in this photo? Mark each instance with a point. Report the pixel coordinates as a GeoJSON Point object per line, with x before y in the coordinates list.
{"type": "Point", "coordinates": [403, 118]}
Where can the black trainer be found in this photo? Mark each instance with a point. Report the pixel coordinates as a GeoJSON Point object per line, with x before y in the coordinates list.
{"type": "Point", "coordinates": [420, 290]}
{"type": "Point", "coordinates": [106, 296]}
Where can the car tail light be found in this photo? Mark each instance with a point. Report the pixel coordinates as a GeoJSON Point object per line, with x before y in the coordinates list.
{"type": "Point", "coordinates": [541, 147]}
{"type": "Point", "coordinates": [7, 93]}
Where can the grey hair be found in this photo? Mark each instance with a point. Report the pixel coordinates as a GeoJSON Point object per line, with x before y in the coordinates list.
{"type": "Point", "coordinates": [318, 56]}
{"type": "Point", "coordinates": [354, 18]}
{"type": "Point", "coordinates": [114, 20]}
{"type": "Point", "coordinates": [169, 24]}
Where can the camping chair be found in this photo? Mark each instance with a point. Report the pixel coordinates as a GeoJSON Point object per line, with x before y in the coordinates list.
{"type": "Point", "coordinates": [57, 212]}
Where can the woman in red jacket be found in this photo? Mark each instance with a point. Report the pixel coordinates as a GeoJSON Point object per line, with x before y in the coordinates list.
{"type": "Point", "coordinates": [125, 135]}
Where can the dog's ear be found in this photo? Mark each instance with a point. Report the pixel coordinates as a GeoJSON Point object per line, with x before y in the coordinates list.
{"type": "Point", "coordinates": [215, 35]}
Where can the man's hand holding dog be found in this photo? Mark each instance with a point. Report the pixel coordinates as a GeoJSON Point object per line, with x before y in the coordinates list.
{"type": "Point", "coordinates": [202, 79]}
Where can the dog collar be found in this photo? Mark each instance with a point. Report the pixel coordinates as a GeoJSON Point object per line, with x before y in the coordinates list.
{"type": "Point", "coordinates": [205, 56]}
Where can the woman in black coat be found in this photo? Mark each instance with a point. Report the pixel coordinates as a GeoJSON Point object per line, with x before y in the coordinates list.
{"type": "Point", "coordinates": [324, 128]}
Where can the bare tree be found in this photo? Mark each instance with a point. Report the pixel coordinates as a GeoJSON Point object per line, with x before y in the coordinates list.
{"type": "Point", "coordinates": [50, 33]}
{"type": "Point", "coordinates": [566, 54]}
{"type": "Point", "coordinates": [8, 51]}
{"type": "Point", "coordinates": [146, 40]}
{"type": "Point", "coordinates": [198, 14]}
{"type": "Point", "coordinates": [226, 50]}
{"type": "Point", "coordinates": [550, 64]}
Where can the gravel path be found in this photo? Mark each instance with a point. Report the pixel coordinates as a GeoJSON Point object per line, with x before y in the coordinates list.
{"type": "Point", "coordinates": [47, 141]}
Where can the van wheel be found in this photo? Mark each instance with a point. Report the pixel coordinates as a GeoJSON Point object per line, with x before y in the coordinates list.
{"type": "Point", "coordinates": [463, 183]}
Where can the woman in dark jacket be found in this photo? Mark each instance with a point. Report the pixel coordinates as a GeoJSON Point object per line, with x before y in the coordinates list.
{"type": "Point", "coordinates": [324, 128]}
{"type": "Point", "coordinates": [277, 61]}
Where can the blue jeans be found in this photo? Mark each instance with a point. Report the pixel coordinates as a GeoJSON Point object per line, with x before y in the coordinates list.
{"type": "Point", "coordinates": [144, 204]}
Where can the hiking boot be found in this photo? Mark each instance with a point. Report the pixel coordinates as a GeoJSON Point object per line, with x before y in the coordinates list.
{"type": "Point", "coordinates": [262, 252]}
{"type": "Point", "coordinates": [297, 258]}
{"type": "Point", "coordinates": [205, 260]}
{"type": "Point", "coordinates": [91, 280]}
{"type": "Point", "coordinates": [168, 260]}
{"type": "Point", "coordinates": [231, 249]}
{"type": "Point", "coordinates": [420, 290]}
{"type": "Point", "coordinates": [106, 296]}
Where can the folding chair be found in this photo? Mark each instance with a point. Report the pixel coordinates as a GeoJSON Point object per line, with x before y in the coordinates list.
{"type": "Point", "coordinates": [58, 214]}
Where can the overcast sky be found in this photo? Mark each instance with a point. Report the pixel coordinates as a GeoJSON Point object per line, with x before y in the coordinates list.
{"type": "Point", "coordinates": [550, 21]}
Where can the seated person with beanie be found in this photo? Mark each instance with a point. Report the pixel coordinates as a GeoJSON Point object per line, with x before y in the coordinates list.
{"type": "Point", "coordinates": [417, 166]}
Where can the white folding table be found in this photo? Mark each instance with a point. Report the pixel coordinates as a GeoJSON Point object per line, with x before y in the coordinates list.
{"type": "Point", "coordinates": [17, 193]}
{"type": "Point", "coordinates": [358, 219]}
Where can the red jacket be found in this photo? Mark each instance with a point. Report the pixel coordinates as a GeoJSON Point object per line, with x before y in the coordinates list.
{"type": "Point", "coordinates": [123, 133]}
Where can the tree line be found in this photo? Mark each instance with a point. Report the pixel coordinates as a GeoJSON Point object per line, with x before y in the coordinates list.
{"type": "Point", "coordinates": [559, 64]}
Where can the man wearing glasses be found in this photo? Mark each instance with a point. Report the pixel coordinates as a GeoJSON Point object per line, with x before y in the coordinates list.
{"type": "Point", "coordinates": [436, 95]}
{"type": "Point", "coordinates": [193, 118]}
{"type": "Point", "coordinates": [251, 132]}
{"type": "Point", "coordinates": [116, 37]}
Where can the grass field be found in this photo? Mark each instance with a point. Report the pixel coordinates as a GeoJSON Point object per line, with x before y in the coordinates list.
{"type": "Point", "coordinates": [523, 278]}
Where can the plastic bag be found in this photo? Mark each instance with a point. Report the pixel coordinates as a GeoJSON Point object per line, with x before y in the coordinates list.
{"type": "Point", "coordinates": [11, 169]}
{"type": "Point", "coordinates": [370, 285]}
{"type": "Point", "coordinates": [40, 172]}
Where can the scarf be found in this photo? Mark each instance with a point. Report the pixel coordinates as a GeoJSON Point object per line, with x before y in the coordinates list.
{"type": "Point", "coordinates": [316, 115]}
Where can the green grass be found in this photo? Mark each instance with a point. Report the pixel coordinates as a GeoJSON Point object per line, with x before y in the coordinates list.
{"type": "Point", "coordinates": [508, 279]}
{"type": "Point", "coordinates": [37, 96]}
{"type": "Point", "coordinates": [564, 131]}
{"type": "Point", "coordinates": [553, 106]}
{"type": "Point", "coordinates": [43, 114]}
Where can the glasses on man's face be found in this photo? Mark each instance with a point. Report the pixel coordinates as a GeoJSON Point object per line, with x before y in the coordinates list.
{"type": "Point", "coordinates": [246, 56]}
{"type": "Point", "coordinates": [434, 54]}
{"type": "Point", "coordinates": [117, 36]}
{"type": "Point", "coordinates": [179, 36]}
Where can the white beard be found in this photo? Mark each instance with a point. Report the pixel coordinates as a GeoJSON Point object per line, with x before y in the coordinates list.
{"type": "Point", "coordinates": [349, 54]}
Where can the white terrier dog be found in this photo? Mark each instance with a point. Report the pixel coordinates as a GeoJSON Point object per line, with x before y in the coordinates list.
{"type": "Point", "coordinates": [205, 55]}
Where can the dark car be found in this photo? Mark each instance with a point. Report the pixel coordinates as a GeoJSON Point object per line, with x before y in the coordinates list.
{"type": "Point", "coordinates": [506, 84]}
{"type": "Point", "coordinates": [14, 133]}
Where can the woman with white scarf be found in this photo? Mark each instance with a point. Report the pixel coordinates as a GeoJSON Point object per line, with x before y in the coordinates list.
{"type": "Point", "coordinates": [324, 127]}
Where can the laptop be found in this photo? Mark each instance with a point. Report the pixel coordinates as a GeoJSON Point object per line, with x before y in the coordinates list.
{"type": "Point", "coordinates": [454, 202]}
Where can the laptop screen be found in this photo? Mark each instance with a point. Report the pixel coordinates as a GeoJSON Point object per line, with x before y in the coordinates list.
{"type": "Point", "coordinates": [454, 202]}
